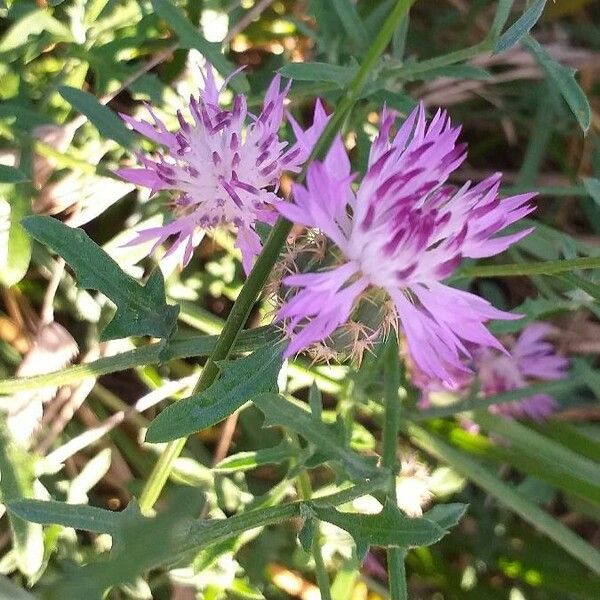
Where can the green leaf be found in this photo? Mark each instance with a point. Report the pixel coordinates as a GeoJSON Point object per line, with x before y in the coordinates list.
{"type": "Point", "coordinates": [551, 267]}
{"type": "Point", "coordinates": [536, 445]}
{"type": "Point", "coordinates": [197, 346]}
{"type": "Point", "coordinates": [190, 37]}
{"type": "Point", "coordinates": [351, 22]}
{"type": "Point", "coordinates": [16, 481]}
{"type": "Point", "coordinates": [502, 13]}
{"type": "Point", "coordinates": [107, 123]}
{"type": "Point", "coordinates": [446, 515]}
{"type": "Point", "coordinates": [592, 185]}
{"type": "Point", "coordinates": [279, 411]}
{"type": "Point", "coordinates": [141, 310]}
{"type": "Point", "coordinates": [507, 496]}
{"type": "Point", "coordinates": [240, 380]}
{"type": "Point", "coordinates": [589, 287]}
{"type": "Point", "coordinates": [457, 71]}
{"type": "Point", "coordinates": [564, 79]}
{"type": "Point", "coordinates": [15, 244]}
{"type": "Point", "coordinates": [246, 461]}
{"type": "Point", "coordinates": [315, 401]}
{"type": "Point", "coordinates": [521, 27]}
{"type": "Point", "coordinates": [316, 71]}
{"type": "Point", "coordinates": [131, 554]}
{"type": "Point", "coordinates": [390, 528]}
{"type": "Point", "coordinates": [12, 175]}
{"type": "Point", "coordinates": [476, 402]}
{"type": "Point", "coordinates": [10, 591]}
{"type": "Point", "coordinates": [34, 23]}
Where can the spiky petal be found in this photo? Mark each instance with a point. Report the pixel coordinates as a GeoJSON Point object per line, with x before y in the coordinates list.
{"type": "Point", "coordinates": [404, 230]}
{"type": "Point", "coordinates": [222, 170]}
{"type": "Point", "coordinates": [532, 358]}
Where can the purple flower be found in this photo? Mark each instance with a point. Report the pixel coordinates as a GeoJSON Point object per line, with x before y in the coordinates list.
{"type": "Point", "coordinates": [223, 171]}
{"type": "Point", "coordinates": [531, 358]}
{"type": "Point", "coordinates": [404, 229]}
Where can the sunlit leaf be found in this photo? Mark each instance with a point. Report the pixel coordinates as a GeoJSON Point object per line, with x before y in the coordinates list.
{"type": "Point", "coordinates": [141, 310]}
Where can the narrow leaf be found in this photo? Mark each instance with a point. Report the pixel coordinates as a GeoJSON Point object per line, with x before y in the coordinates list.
{"type": "Point", "coordinates": [507, 496]}
{"type": "Point", "coordinates": [105, 120]}
{"type": "Point", "coordinates": [535, 444]}
{"type": "Point", "coordinates": [446, 515]}
{"type": "Point", "coordinates": [246, 461]}
{"type": "Point", "coordinates": [141, 310]}
{"type": "Point", "coordinates": [551, 267]}
{"type": "Point", "coordinates": [592, 185]}
{"type": "Point", "coordinates": [521, 27]}
{"type": "Point", "coordinates": [190, 37]}
{"type": "Point", "coordinates": [241, 379]}
{"type": "Point", "coordinates": [316, 71]}
{"type": "Point", "coordinates": [12, 175]}
{"type": "Point", "coordinates": [17, 479]}
{"type": "Point", "coordinates": [279, 411]}
{"type": "Point", "coordinates": [351, 22]}
{"type": "Point", "coordinates": [564, 79]}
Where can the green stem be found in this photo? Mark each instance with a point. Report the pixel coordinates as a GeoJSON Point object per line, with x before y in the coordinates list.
{"type": "Point", "coordinates": [305, 492]}
{"type": "Point", "coordinates": [391, 424]}
{"type": "Point", "coordinates": [267, 258]}
{"type": "Point", "coordinates": [551, 267]}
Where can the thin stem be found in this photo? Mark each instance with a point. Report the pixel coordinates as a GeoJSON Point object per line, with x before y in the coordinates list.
{"type": "Point", "coordinates": [391, 424]}
{"type": "Point", "coordinates": [551, 267]}
{"type": "Point", "coordinates": [273, 246]}
{"type": "Point", "coordinates": [305, 492]}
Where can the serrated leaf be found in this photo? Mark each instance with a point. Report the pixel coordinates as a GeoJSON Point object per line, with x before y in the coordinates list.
{"type": "Point", "coordinates": [103, 118]}
{"type": "Point", "coordinates": [279, 411]}
{"type": "Point", "coordinates": [317, 71]}
{"type": "Point", "coordinates": [240, 381]}
{"type": "Point", "coordinates": [12, 175]}
{"type": "Point", "coordinates": [564, 80]}
{"type": "Point", "coordinates": [447, 515]}
{"type": "Point", "coordinates": [592, 185]}
{"type": "Point", "coordinates": [521, 27]}
{"type": "Point", "coordinates": [191, 37]}
{"type": "Point", "coordinates": [141, 310]}
{"type": "Point", "coordinates": [390, 528]}
{"type": "Point", "coordinates": [131, 554]}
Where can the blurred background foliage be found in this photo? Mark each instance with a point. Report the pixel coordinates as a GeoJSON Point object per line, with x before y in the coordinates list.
{"type": "Point", "coordinates": [66, 68]}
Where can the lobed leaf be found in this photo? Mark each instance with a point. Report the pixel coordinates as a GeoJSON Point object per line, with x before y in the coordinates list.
{"type": "Point", "coordinates": [389, 528]}
{"type": "Point", "coordinates": [141, 310]}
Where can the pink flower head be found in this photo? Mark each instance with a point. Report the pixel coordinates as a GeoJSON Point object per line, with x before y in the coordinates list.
{"type": "Point", "coordinates": [403, 230]}
{"type": "Point", "coordinates": [222, 170]}
{"type": "Point", "coordinates": [531, 358]}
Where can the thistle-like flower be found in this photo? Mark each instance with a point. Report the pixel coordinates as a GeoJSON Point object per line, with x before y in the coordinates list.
{"type": "Point", "coordinates": [223, 171]}
{"type": "Point", "coordinates": [532, 358]}
{"type": "Point", "coordinates": [403, 230]}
